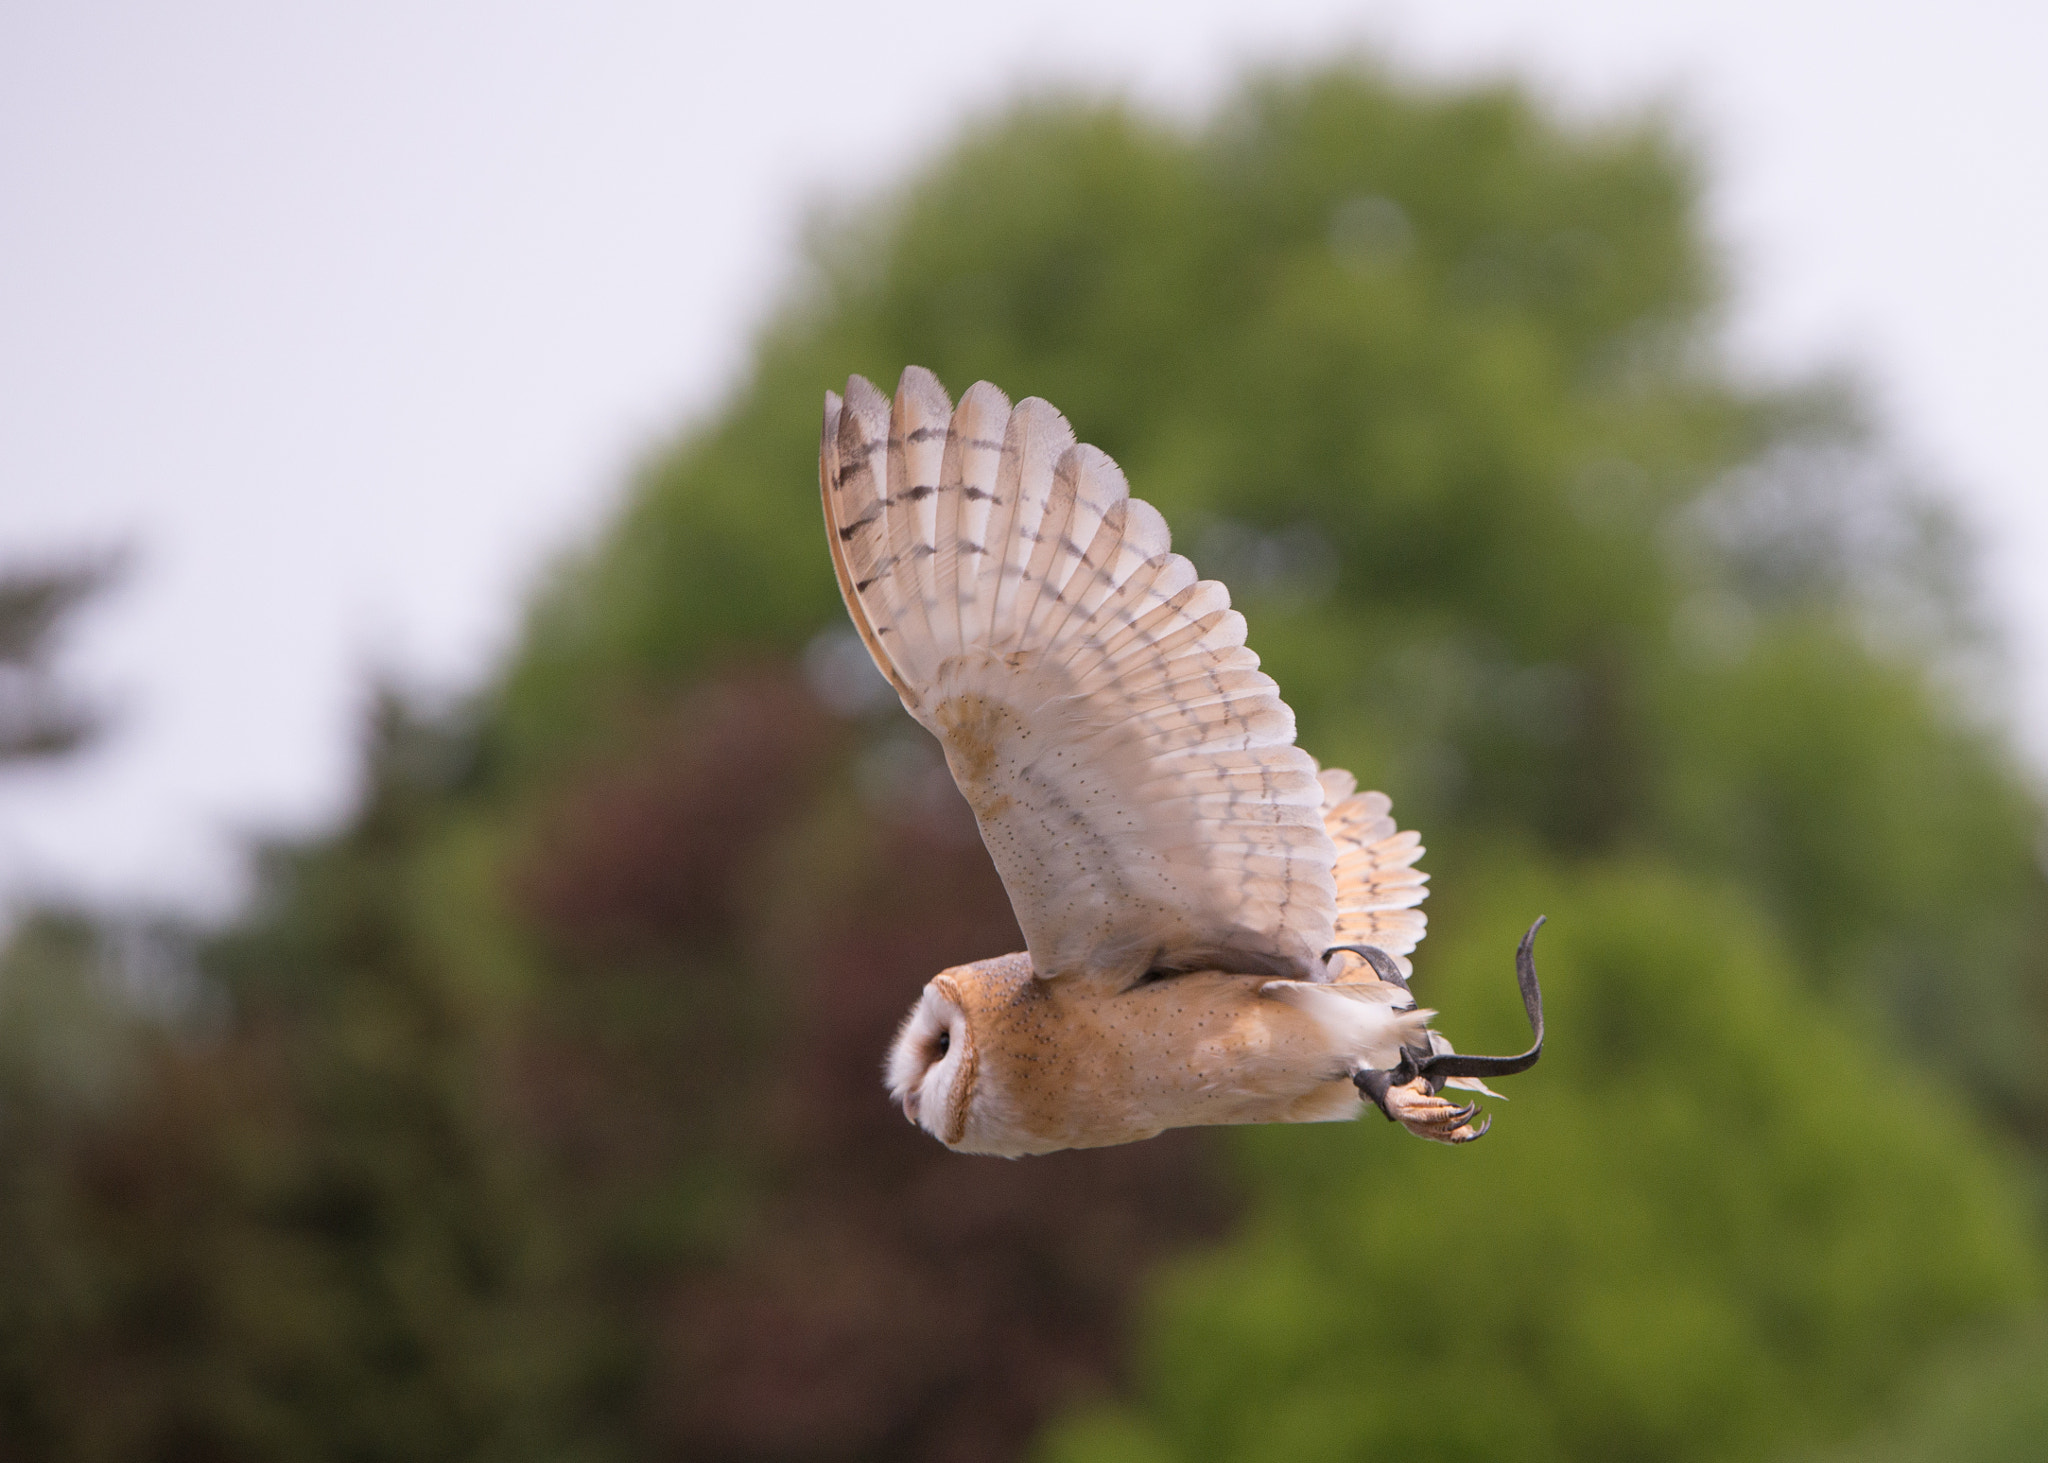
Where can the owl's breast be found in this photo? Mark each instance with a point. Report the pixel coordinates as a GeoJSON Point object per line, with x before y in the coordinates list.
{"type": "Point", "coordinates": [1066, 1063]}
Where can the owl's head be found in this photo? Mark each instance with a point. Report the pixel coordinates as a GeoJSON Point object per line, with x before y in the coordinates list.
{"type": "Point", "coordinates": [947, 1067]}
{"type": "Point", "coordinates": [932, 1064]}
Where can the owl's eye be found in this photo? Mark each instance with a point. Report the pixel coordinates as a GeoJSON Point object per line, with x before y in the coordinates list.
{"type": "Point", "coordinates": [945, 1042]}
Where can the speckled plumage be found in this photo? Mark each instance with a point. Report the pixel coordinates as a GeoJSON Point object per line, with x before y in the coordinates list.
{"type": "Point", "coordinates": [1177, 864]}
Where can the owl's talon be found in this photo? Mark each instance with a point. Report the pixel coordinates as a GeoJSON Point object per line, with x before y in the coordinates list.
{"type": "Point", "coordinates": [1415, 1105]}
{"type": "Point", "coordinates": [1473, 1135]}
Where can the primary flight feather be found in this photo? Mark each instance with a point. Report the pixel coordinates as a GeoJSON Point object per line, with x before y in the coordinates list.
{"type": "Point", "coordinates": [1215, 929]}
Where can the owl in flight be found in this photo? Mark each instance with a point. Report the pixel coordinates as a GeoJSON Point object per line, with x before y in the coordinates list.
{"type": "Point", "coordinates": [1216, 931]}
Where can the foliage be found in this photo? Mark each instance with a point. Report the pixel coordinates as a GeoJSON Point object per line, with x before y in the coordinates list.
{"type": "Point", "coordinates": [38, 718]}
{"type": "Point", "coordinates": [1721, 1223]}
{"type": "Point", "coordinates": [296, 1237]}
{"type": "Point", "coordinates": [1985, 1404]}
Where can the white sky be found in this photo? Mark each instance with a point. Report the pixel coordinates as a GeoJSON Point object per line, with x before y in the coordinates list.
{"type": "Point", "coordinates": [344, 318]}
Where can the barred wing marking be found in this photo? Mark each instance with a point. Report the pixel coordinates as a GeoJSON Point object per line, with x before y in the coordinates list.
{"type": "Point", "coordinates": [1132, 769]}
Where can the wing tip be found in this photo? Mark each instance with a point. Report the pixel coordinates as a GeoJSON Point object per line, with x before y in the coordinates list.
{"type": "Point", "coordinates": [919, 390]}
{"type": "Point", "coordinates": [1037, 412]}
{"type": "Point", "coordinates": [864, 399]}
{"type": "Point", "coordinates": [985, 396]}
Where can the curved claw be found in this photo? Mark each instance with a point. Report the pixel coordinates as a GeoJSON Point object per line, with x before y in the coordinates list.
{"type": "Point", "coordinates": [1477, 1133]}
{"type": "Point", "coordinates": [1455, 1064]}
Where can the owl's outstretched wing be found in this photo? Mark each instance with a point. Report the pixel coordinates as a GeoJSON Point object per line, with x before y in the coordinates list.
{"type": "Point", "coordinates": [1132, 769]}
{"type": "Point", "coordinates": [1378, 885]}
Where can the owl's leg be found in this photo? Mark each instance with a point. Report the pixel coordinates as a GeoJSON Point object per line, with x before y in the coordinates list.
{"type": "Point", "coordinates": [1408, 1092]}
{"type": "Point", "coordinates": [1417, 1106]}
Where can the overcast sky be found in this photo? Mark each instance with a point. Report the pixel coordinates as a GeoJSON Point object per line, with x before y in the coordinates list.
{"type": "Point", "coordinates": [345, 318]}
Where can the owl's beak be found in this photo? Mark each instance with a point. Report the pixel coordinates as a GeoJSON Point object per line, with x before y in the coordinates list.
{"type": "Point", "coordinates": [910, 1106]}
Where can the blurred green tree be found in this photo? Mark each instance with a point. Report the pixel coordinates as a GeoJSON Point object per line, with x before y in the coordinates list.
{"type": "Point", "coordinates": [1984, 1404]}
{"type": "Point", "coordinates": [252, 1209]}
{"type": "Point", "coordinates": [1722, 1225]}
{"type": "Point", "coordinates": [1431, 379]}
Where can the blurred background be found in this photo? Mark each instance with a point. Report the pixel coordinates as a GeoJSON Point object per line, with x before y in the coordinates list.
{"type": "Point", "coordinates": [462, 875]}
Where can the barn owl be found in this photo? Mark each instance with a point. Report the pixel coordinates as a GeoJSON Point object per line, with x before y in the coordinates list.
{"type": "Point", "coordinates": [1216, 929]}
